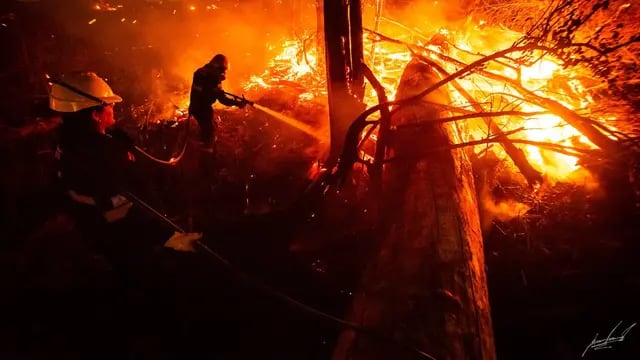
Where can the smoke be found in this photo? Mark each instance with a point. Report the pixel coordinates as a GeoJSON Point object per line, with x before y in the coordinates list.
{"type": "Point", "coordinates": [136, 42]}
{"type": "Point", "coordinates": [491, 175]}
{"type": "Point", "coordinates": [502, 210]}
{"type": "Point", "coordinates": [428, 15]}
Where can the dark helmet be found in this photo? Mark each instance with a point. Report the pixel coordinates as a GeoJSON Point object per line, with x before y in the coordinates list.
{"type": "Point", "coordinates": [220, 62]}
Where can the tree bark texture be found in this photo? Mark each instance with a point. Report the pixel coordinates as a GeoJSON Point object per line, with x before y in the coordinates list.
{"type": "Point", "coordinates": [426, 288]}
{"type": "Point", "coordinates": [345, 79]}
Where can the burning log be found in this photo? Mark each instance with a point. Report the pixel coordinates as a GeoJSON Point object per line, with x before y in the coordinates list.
{"type": "Point", "coordinates": [427, 285]}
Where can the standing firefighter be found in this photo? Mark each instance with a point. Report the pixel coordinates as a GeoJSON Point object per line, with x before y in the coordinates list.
{"type": "Point", "coordinates": [206, 89]}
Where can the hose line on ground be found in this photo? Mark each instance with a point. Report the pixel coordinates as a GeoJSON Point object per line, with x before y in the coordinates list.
{"type": "Point", "coordinates": [260, 285]}
{"type": "Point", "coordinates": [173, 160]}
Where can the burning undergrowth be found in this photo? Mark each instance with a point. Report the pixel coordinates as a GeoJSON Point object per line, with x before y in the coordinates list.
{"type": "Point", "coordinates": [527, 88]}
{"type": "Point", "coordinates": [532, 94]}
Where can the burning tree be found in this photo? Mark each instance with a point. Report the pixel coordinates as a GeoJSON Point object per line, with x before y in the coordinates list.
{"type": "Point", "coordinates": [502, 81]}
{"type": "Point", "coordinates": [556, 98]}
{"type": "Point", "coordinates": [544, 85]}
{"type": "Point", "coordinates": [548, 87]}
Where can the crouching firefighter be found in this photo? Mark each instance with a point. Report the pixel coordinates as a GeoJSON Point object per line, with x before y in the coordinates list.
{"type": "Point", "coordinates": [206, 89]}
{"type": "Point", "coordinates": [96, 169]}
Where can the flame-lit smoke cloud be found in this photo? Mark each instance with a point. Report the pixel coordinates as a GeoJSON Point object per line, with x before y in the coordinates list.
{"type": "Point", "coordinates": [142, 37]}
{"type": "Point", "coordinates": [427, 15]}
{"type": "Point", "coordinates": [145, 37]}
{"type": "Point", "coordinates": [499, 210]}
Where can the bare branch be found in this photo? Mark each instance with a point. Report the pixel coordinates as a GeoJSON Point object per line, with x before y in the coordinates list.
{"type": "Point", "coordinates": [565, 150]}
{"type": "Point", "coordinates": [487, 114]}
{"type": "Point", "coordinates": [582, 124]}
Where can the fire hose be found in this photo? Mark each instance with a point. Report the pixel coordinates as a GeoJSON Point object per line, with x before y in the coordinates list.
{"type": "Point", "coordinates": [227, 264]}
{"type": "Point", "coordinates": [240, 99]}
{"type": "Point", "coordinates": [375, 333]}
{"type": "Point", "coordinates": [101, 102]}
{"type": "Point", "coordinates": [174, 160]}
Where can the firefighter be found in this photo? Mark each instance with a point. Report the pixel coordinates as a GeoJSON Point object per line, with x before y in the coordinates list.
{"type": "Point", "coordinates": [206, 89]}
{"type": "Point", "coordinates": [98, 175]}
{"type": "Point", "coordinates": [96, 168]}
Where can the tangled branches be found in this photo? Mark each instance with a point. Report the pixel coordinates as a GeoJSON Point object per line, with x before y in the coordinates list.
{"type": "Point", "coordinates": [599, 35]}
{"type": "Point", "coordinates": [517, 15]}
{"type": "Point", "coordinates": [564, 34]}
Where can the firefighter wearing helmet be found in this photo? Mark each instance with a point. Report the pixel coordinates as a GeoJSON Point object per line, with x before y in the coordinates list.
{"type": "Point", "coordinates": [206, 89]}
{"type": "Point", "coordinates": [92, 161]}
{"type": "Point", "coordinates": [96, 166]}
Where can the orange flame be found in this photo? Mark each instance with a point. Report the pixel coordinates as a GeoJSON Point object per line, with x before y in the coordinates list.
{"type": "Point", "coordinates": [545, 77]}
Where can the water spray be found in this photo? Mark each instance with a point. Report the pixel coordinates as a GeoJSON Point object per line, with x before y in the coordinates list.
{"type": "Point", "coordinates": [285, 119]}
{"type": "Point", "coordinates": [291, 121]}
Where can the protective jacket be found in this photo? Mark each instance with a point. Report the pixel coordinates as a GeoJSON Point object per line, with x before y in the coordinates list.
{"type": "Point", "coordinates": [95, 169]}
{"type": "Point", "coordinates": [206, 89]}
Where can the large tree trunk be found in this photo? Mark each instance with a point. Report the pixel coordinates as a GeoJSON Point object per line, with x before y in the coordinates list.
{"type": "Point", "coordinates": [345, 79]}
{"type": "Point", "coordinates": [427, 286]}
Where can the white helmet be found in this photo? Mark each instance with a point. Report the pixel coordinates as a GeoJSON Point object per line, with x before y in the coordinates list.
{"type": "Point", "coordinates": [80, 90]}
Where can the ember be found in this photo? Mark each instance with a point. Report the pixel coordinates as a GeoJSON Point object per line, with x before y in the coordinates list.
{"type": "Point", "coordinates": [106, 6]}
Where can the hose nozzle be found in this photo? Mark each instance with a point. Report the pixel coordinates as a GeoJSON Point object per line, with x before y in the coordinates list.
{"type": "Point", "coordinates": [239, 99]}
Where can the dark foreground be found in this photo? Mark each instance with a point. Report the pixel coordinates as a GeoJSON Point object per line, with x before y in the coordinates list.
{"type": "Point", "coordinates": [559, 276]}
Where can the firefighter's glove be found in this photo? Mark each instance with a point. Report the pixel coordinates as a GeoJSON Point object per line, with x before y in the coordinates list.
{"type": "Point", "coordinates": [183, 241]}
{"type": "Point", "coordinates": [244, 102]}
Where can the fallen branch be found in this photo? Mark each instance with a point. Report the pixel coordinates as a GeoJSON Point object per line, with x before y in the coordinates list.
{"type": "Point", "coordinates": [472, 115]}
{"type": "Point", "coordinates": [385, 121]}
{"type": "Point", "coordinates": [517, 156]}
{"type": "Point", "coordinates": [582, 124]}
{"type": "Point", "coordinates": [565, 150]}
